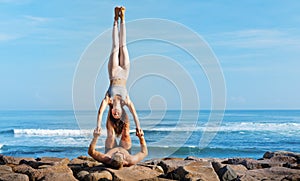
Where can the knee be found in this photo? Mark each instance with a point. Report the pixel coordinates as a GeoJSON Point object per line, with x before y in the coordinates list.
{"type": "Point", "coordinates": [115, 48]}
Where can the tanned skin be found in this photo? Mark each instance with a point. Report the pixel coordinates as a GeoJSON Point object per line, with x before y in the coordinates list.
{"type": "Point", "coordinates": [106, 158]}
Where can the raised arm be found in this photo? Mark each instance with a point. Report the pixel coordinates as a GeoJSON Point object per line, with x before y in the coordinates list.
{"type": "Point", "coordinates": [140, 155]}
{"type": "Point", "coordinates": [102, 108]}
{"type": "Point", "coordinates": [131, 108]}
{"type": "Point", "coordinates": [92, 149]}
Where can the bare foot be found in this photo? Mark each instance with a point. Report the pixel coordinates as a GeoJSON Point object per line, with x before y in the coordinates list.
{"type": "Point", "coordinates": [117, 12]}
{"type": "Point", "coordinates": [122, 13]}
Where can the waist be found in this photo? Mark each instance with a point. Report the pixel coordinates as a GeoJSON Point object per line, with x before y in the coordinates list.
{"type": "Point", "coordinates": [118, 82]}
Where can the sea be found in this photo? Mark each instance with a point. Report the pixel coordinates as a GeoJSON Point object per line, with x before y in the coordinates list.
{"type": "Point", "coordinates": [169, 133]}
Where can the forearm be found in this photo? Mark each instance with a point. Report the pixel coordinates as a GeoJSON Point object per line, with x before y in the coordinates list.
{"type": "Point", "coordinates": [135, 116]}
{"type": "Point", "coordinates": [100, 112]}
{"type": "Point", "coordinates": [99, 119]}
{"type": "Point", "coordinates": [143, 144]}
{"type": "Point", "coordinates": [140, 155]}
{"type": "Point", "coordinates": [92, 146]}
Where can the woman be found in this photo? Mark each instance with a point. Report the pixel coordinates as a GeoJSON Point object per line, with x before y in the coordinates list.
{"type": "Point", "coordinates": [116, 97]}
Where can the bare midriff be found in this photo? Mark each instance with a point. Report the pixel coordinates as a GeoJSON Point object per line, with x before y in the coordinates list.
{"type": "Point", "coordinates": [119, 82]}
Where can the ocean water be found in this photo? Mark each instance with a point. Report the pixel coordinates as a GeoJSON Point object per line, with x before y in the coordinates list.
{"type": "Point", "coordinates": [241, 133]}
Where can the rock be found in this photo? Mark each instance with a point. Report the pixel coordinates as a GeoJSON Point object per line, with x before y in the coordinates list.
{"type": "Point", "coordinates": [12, 160]}
{"type": "Point", "coordinates": [239, 169]}
{"type": "Point", "coordinates": [14, 177]}
{"type": "Point", "coordinates": [170, 164]}
{"type": "Point", "coordinates": [193, 158]}
{"type": "Point", "coordinates": [269, 155]}
{"type": "Point", "coordinates": [33, 174]}
{"type": "Point", "coordinates": [33, 164]}
{"type": "Point", "coordinates": [226, 173]}
{"type": "Point", "coordinates": [158, 169]}
{"type": "Point", "coordinates": [87, 158]}
{"type": "Point", "coordinates": [134, 172]}
{"type": "Point", "coordinates": [78, 165]}
{"type": "Point", "coordinates": [53, 161]}
{"type": "Point", "coordinates": [58, 176]}
{"type": "Point", "coordinates": [199, 170]}
{"type": "Point", "coordinates": [274, 173]}
{"type": "Point", "coordinates": [5, 169]}
{"type": "Point", "coordinates": [56, 169]}
{"type": "Point", "coordinates": [95, 176]}
{"type": "Point", "coordinates": [153, 161]}
{"type": "Point", "coordinates": [80, 175]}
{"type": "Point", "coordinates": [252, 164]}
{"type": "Point", "coordinates": [217, 166]}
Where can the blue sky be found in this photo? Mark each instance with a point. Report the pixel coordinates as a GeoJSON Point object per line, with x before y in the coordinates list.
{"type": "Point", "coordinates": [256, 42]}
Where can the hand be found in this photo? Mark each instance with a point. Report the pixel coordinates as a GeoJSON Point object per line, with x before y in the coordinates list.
{"type": "Point", "coordinates": [97, 132]}
{"type": "Point", "coordinates": [139, 132]}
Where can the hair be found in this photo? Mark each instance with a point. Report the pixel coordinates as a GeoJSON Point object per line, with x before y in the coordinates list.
{"type": "Point", "coordinates": [118, 124]}
{"type": "Point", "coordinates": [117, 161]}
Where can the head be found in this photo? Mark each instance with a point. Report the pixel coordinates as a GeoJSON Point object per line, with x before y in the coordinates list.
{"type": "Point", "coordinates": [117, 160]}
{"type": "Point", "coordinates": [116, 110]}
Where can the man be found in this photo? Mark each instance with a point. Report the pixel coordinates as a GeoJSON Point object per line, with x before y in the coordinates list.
{"type": "Point", "coordinates": [118, 156]}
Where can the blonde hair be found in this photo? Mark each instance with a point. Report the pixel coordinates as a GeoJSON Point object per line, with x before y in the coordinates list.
{"type": "Point", "coordinates": [117, 161]}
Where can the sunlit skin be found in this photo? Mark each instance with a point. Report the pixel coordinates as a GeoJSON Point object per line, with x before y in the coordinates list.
{"type": "Point", "coordinates": [118, 64]}
{"type": "Point", "coordinates": [127, 159]}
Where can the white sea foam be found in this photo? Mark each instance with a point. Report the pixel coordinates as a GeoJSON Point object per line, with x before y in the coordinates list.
{"type": "Point", "coordinates": [55, 132]}
{"type": "Point", "coordinates": [1, 145]}
{"type": "Point", "coordinates": [241, 127]}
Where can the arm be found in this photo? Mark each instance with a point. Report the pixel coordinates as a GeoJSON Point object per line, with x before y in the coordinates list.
{"type": "Point", "coordinates": [95, 154]}
{"type": "Point", "coordinates": [102, 108]}
{"type": "Point", "coordinates": [131, 108]}
{"type": "Point", "coordinates": [140, 155]}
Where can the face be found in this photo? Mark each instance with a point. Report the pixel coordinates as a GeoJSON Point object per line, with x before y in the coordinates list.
{"type": "Point", "coordinates": [117, 109]}
{"type": "Point", "coordinates": [116, 113]}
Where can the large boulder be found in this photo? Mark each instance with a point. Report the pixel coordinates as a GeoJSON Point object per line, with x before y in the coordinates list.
{"type": "Point", "coordinates": [269, 155]}
{"type": "Point", "coordinates": [135, 172]}
{"type": "Point", "coordinates": [5, 169]}
{"type": "Point", "coordinates": [58, 176]}
{"type": "Point", "coordinates": [32, 173]}
{"type": "Point", "coordinates": [95, 176]}
{"type": "Point", "coordinates": [12, 160]}
{"type": "Point", "coordinates": [14, 177]}
{"type": "Point", "coordinates": [197, 170]}
{"type": "Point", "coordinates": [53, 161]}
{"type": "Point", "coordinates": [274, 173]}
{"type": "Point", "coordinates": [170, 164]}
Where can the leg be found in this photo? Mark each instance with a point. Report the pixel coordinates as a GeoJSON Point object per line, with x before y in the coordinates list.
{"type": "Point", "coordinates": [124, 56]}
{"type": "Point", "coordinates": [114, 56]}
{"type": "Point", "coordinates": [110, 141]}
{"type": "Point", "coordinates": [125, 141]}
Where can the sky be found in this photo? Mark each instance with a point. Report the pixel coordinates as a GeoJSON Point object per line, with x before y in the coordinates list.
{"type": "Point", "coordinates": [256, 44]}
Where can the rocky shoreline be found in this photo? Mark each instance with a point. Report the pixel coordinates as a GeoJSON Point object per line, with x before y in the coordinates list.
{"type": "Point", "coordinates": [279, 165]}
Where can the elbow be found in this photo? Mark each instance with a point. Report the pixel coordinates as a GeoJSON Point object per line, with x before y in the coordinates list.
{"type": "Point", "coordinates": [145, 152]}
{"type": "Point", "coordinates": [91, 152]}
